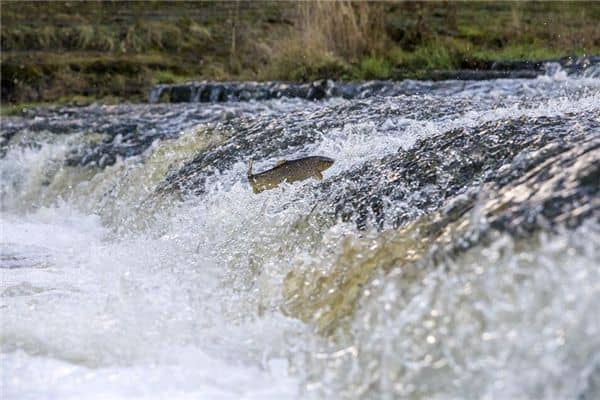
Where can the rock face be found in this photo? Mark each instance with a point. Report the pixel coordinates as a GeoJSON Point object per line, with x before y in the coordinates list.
{"type": "Point", "coordinates": [214, 92]}
{"type": "Point", "coordinates": [125, 131]}
{"type": "Point", "coordinates": [285, 133]}
{"type": "Point", "coordinates": [446, 195]}
{"type": "Point", "coordinates": [493, 155]}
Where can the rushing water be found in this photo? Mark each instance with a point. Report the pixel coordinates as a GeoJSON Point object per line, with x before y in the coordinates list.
{"type": "Point", "coordinates": [451, 252]}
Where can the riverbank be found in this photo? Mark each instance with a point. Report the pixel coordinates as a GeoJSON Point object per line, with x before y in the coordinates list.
{"type": "Point", "coordinates": [81, 52]}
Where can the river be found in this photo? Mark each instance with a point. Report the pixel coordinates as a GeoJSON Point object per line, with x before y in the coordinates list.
{"type": "Point", "coordinates": [451, 251]}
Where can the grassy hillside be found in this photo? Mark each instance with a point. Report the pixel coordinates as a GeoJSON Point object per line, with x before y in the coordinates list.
{"type": "Point", "coordinates": [52, 51]}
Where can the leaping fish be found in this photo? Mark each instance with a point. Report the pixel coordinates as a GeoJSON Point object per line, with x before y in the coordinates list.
{"type": "Point", "coordinates": [288, 171]}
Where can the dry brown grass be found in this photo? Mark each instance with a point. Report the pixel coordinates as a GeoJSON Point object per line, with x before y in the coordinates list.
{"type": "Point", "coordinates": [326, 38]}
{"type": "Point", "coordinates": [349, 30]}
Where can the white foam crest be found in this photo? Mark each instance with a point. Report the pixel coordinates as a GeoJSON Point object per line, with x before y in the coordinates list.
{"type": "Point", "coordinates": [354, 144]}
{"type": "Point", "coordinates": [592, 72]}
{"type": "Point", "coordinates": [556, 76]}
{"type": "Point", "coordinates": [26, 170]}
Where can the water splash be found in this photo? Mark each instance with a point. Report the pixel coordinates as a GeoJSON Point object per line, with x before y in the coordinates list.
{"type": "Point", "coordinates": [110, 291]}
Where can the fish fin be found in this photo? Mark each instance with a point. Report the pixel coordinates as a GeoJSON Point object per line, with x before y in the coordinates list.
{"type": "Point", "coordinates": [250, 167]}
{"type": "Point", "coordinates": [280, 162]}
{"type": "Point", "coordinates": [319, 176]}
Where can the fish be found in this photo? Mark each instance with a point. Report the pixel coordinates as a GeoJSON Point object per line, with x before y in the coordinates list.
{"type": "Point", "coordinates": [288, 171]}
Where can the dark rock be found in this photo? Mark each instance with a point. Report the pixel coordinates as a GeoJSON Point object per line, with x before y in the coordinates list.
{"type": "Point", "coordinates": [260, 138]}
{"type": "Point", "coordinates": [322, 89]}
{"type": "Point", "coordinates": [483, 75]}
{"type": "Point", "coordinates": [126, 130]}
{"type": "Point", "coordinates": [317, 90]}
{"type": "Point", "coordinates": [180, 93]}
{"type": "Point", "coordinates": [552, 164]}
{"type": "Point", "coordinates": [517, 65]}
{"type": "Point", "coordinates": [218, 94]}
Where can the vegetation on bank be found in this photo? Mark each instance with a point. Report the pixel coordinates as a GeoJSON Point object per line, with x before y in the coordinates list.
{"type": "Point", "coordinates": [52, 51]}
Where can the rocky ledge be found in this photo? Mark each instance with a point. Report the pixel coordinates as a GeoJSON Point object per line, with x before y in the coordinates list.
{"type": "Point", "coordinates": [212, 92]}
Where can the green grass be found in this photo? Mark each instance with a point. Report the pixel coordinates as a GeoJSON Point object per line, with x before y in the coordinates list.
{"type": "Point", "coordinates": [52, 51]}
{"type": "Point", "coordinates": [375, 68]}
{"type": "Point", "coordinates": [169, 77]}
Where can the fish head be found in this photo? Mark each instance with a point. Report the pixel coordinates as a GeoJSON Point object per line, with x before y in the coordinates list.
{"type": "Point", "coordinates": [323, 162]}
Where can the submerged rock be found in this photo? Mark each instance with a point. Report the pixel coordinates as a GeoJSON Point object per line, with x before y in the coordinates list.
{"type": "Point", "coordinates": [421, 180]}
{"type": "Point", "coordinates": [446, 195]}
{"type": "Point", "coordinates": [128, 130]}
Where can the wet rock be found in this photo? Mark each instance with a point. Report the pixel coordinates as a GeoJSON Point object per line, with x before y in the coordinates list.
{"type": "Point", "coordinates": [518, 65]}
{"type": "Point", "coordinates": [128, 130]}
{"type": "Point", "coordinates": [180, 93]}
{"type": "Point", "coordinates": [205, 92]}
{"type": "Point", "coordinates": [482, 75]}
{"type": "Point", "coordinates": [260, 138]}
{"type": "Point", "coordinates": [468, 179]}
{"type": "Point", "coordinates": [323, 89]}
{"type": "Point", "coordinates": [446, 195]}
{"type": "Point", "coordinates": [439, 168]}
{"type": "Point", "coordinates": [570, 64]}
{"type": "Point", "coordinates": [317, 90]}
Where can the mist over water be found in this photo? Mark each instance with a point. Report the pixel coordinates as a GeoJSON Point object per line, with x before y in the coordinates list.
{"type": "Point", "coordinates": [117, 283]}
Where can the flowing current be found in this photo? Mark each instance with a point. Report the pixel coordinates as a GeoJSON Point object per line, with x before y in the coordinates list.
{"type": "Point", "coordinates": [451, 252]}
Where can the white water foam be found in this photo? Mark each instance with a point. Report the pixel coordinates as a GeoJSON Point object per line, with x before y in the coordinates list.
{"type": "Point", "coordinates": [189, 306]}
